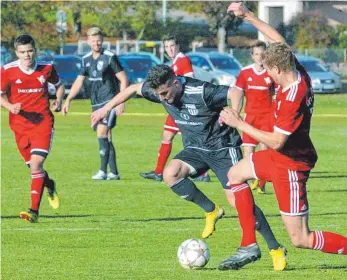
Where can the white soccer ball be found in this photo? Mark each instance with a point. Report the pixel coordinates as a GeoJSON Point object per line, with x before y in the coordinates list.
{"type": "Point", "coordinates": [193, 254]}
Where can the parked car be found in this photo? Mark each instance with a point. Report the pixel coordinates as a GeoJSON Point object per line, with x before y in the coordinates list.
{"type": "Point", "coordinates": [137, 66]}
{"type": "Point", "coordinates": [68, 67]}
{"type": "Point", "coordinates": [220, 69]}
{"type": "Point", "coordinates": [322, 79]}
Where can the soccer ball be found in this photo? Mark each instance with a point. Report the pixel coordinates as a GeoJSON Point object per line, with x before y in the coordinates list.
{"type": "Point", "coordinates": [193, 254]}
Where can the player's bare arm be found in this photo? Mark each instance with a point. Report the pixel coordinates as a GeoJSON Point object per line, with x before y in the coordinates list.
{"type": "Point", "coordinates": [124, 82]}
{"type": "Point", "coordinates": [240, 10]}
{"type": "Point", "coordinates": [60, 92]}
{"type": "Point", "coordinates": [120, 98]}
{"type": "Point", "coordinates": [13, 108]}
{"type": "Point", "coordinates": [75, 89]}
{"type": "Point", "coordinates": [274, 140]}
{"type": "Point", "coordinates": [235, 96]}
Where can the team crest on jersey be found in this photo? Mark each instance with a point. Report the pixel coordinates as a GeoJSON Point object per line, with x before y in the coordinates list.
{"type": "Point", "coordinates": [100, 65]}
{"type": "Point", "coordinates": [267, 80]}
{"type": "Point", "coordinates": [192, 109]}
{"type": "Point", "coordinates": [184, 116]}
{"type": "Point", "coordinates": [94, 73]}
{"type": "Point", "coordinates": [41, 79]}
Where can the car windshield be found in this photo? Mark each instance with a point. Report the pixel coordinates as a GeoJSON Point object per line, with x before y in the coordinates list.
{"type": "Point", "coordinates": [66, 65]}
{"type": "Point", "coordinates": [224, 62]}
{"type": "Point", "coordinates": [312, 66]}
{"type": "Point", "coordinates": [134, 64]}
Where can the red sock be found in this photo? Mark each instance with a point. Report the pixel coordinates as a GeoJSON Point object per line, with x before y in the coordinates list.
{"type": "Point", "coordinates": [329, 242]}
{"type": "Point", "coordinates": [164, 152]}
{"type": "Point", "coordinates": [245, 208]}
{"type": "Point", "coordinates": [262, 184]}
{"type": "Point", "coordinates": [37, 181]}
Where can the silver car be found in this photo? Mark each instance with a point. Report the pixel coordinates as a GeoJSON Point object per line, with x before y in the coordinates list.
{"type": "Point", "coordinates": [322, 79]}
{"type": "Point", "coordinates": [214, 67]}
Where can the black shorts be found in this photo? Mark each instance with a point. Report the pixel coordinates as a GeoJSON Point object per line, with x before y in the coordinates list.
{"type": "Point", "coordinates": [199, 161]}
{"type": "Point", "coordinates": [110, 121]}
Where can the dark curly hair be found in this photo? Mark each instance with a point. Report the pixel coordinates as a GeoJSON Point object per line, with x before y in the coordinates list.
{"type": "Point", "coordinates": [24, 39]}
{"type": "Point", "coordinates": [160, 75]}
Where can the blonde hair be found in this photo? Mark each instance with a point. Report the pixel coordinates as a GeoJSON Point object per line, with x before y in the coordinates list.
{"type": "Point", "coordinates": [279, 55]}
{"type": "Point", "coordinates": [94, 31]}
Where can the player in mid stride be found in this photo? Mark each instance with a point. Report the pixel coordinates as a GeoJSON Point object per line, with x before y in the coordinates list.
{"type": "Point", "coordinates": [24, 93]}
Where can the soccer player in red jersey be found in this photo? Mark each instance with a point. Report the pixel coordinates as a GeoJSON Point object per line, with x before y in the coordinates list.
{"type": "Point", "coordinates": [258, 87]}
{"type": "Point", "coordinates": [287, 162]}
{"type": "Point", "coordinates": [24, 93]}
{"type": "Point", "coordinates": [182, 66]}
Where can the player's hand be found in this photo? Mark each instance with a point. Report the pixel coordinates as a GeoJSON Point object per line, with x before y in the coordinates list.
{"type": "Point", "coordinates": [56, 105]}
{"type": "Point", "coordinates": [15, 108]}
{"type": "Point", "coordinates": [239, 9]}
{"type": "Point", "coordinates": [120, 109]}
{"type": "Point", "coordinates": [230, 117]}
{"type": "Point", "coordinates": [66, 108]}
{"type": "Point", "coordinates": [97, 116]}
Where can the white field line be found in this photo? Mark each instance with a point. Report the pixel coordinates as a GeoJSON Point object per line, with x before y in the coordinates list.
{"type": "Point", "coordinates": [58, 229]}
{"type": "Point", "coordinates": [165, 114]}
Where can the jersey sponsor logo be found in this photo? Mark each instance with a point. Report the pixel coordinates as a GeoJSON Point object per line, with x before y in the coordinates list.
{"type": "Point", "coordinates": [192, 109]}
{"type": "Point", "coordinates": [18, 81]}
{"type": "Point", "coordinates": [184, 116]}
{"type": "Point", "coordinates": [258, 87]}
{"type": "Point", "coordinates": [250, 79]}
{"type": "Point", "coordinates": [267, 80]}
{"type": "Point", "coordinates": [99, 65]}
{"type": "Point", "coordinates": [30, 90]}
{"type": "Point", "coordinates": [41, 79]}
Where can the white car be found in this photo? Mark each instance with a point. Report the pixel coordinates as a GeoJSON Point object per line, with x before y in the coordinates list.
{"type": "Point", "coordinates": [214, 67]}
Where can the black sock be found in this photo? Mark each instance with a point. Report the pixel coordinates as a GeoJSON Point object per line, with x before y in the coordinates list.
{"type": "Point", "coordinates": [104, 150]}
{"type": "Point", "coordinates": [112, 159]}
{"type": "Point", "coordinates": [186, 189]}
{"type": "Point", "coordinates": [263, 227]}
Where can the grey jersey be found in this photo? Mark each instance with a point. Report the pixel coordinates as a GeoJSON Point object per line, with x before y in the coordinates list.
{"type": "Point", "coordinates": [196, 114]}
{"type": "Point", "coordinates": [101, 80]}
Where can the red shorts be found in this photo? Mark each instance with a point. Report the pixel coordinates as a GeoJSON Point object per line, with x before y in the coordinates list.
{"type": "Point", "coordinates": [262, 122]}
{"type": "Point", "coordinates": [36, 141]}
{"type": "Point", "coordinates": [170, 125]}
{"type": "Point", "coordinates": [289, 185]}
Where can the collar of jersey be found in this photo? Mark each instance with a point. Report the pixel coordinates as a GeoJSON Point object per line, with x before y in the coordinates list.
{"type": "Point", "coordinates": [25, 71]}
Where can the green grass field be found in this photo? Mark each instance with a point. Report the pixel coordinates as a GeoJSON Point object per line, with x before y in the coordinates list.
{"type": "Point", "coordinates": [131, 229]}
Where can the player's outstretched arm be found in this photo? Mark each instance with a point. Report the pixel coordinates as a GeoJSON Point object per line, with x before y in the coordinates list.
{"type": "Point", "coordinates": [75, 89]}
{"type": "Point", "coordinates": [240, 10]}
{"type": "Point", "coordinates": [121, 97]}
{"type": "Point", "coordinates": [236, 98]}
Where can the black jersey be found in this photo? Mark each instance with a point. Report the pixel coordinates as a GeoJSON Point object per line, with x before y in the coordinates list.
{"type": "Point", "coordinates": [102, 82]}
{"type": "Point", "coordinates": [196, 114]}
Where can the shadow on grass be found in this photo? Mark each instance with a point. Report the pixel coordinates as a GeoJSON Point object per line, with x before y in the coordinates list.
{"type": "Point", "coordinates": [50, 216]}
{"type": "Point", "coordinates": [328, 176]}
{"type": "Point", "coordinates": [320, 267]}
{"type": "Point", "coordinates": [170, 219]}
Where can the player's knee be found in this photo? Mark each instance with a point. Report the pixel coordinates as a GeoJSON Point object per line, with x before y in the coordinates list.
{"type": "Point", "coordinates": [170, 175]}
{"type": "Point", "coordinates": [234, 176]}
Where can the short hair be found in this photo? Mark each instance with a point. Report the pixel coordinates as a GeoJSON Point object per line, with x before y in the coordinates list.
{"type": "Point", "coordinates": [94, 31]}
{"type": "Point", "coordinates": [160, 75]}
{"type": "Point", "coordinates": [279, 55]}
{"type": "Point", "coordinates": [258, 44]}
{"type": "Point", "coordinates": [171, 37]}
{"type": "Point", "coordinates": [24, 39]}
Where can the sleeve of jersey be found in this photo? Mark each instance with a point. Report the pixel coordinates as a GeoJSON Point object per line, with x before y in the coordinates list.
{"type": "Point", "coordinates": [148, 93]}
{"type": "Point", "coordinates": [289, 117]}
{"type": "Point", "coordinates": [240, 82]}
{"type": "Point", "coordinates": [184, 67]}
{"type": "Point", "coordinates": [4, 81]}
{"type": "Point", "coordinates": [54, 78]}
{"type": "Point", "coordinates": [116, 65]}
{"type": "Point", "coordinates": [216, 96]}
{"type": "Point", "coordinates": [83, 71]}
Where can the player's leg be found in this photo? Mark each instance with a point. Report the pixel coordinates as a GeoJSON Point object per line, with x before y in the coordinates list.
{"type": "Point", "coordinates": [112, 162]}
{"type": "Point", "coordinates": [290, 188]}
{"type": "Point", "coordinates": [262, 183]}
{"type": "Point", "coordinates": [176, 175]}
{"type": "Point", "coordinates": [169, 133]}
{"type": "Point", "coordinates": [249, 145]}
{"type": "Point", "coordinates": [104, 150]}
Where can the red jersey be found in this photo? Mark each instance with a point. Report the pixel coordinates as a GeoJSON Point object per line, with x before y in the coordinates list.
{"type": "Point", "coordinates": [182, 65]}
{"type": "Point", "coordinates": [293, 108]}
{"type": "Point", "coordinates": [30, 88]}
{"type": "Point", "coordinates": [258, 88]}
